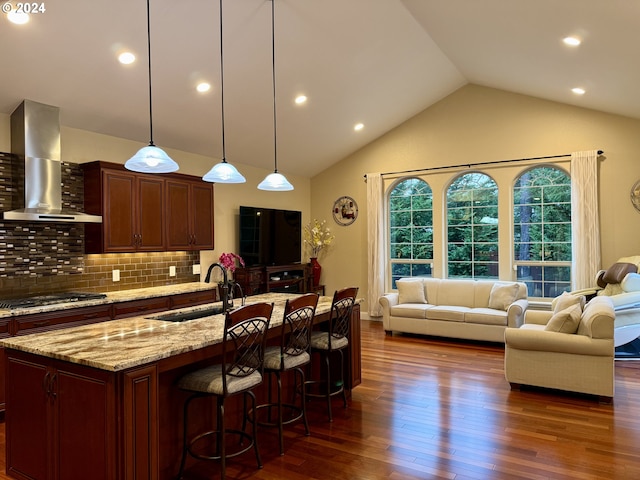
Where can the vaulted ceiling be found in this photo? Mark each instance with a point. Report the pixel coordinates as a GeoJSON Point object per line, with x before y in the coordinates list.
{"type": "Point", "coordinates": [378, 62]}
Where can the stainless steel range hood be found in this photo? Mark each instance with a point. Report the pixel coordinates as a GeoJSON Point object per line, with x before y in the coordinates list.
{"type": "Point", "coordinates": [35, 142]}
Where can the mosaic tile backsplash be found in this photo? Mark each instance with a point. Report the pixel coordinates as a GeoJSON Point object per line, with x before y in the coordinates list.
{"type": "Point", "coordinates": [40, 258]}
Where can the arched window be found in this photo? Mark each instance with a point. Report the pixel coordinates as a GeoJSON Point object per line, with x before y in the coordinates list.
{"type": "Point", "coordinates": [410, 229]}
{"type": "Point", "coordinates": [472, 227]}
{"type": "Point", "coordinates": [542, 230]}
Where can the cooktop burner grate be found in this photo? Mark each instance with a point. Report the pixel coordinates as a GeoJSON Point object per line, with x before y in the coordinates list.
{"type": "Point", "coordinates": [51, 299]}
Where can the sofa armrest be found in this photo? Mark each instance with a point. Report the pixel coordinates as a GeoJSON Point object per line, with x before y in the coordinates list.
{"type": "Point", "coordinates": [537, 317]}
{"type": "Point", "coordinates": [545, 341]}
{"type": "Point", "coordinates": [387, 301]}
{"type": "Point", "coordinates": [516, 312]}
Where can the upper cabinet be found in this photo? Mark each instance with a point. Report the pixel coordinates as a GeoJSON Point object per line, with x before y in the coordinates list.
{"type": "Point", "coordinates": [144, 213]}
{"type": "Point", "coordinates": [189, 215]}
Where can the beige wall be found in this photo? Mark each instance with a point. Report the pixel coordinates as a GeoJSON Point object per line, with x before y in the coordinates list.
{"type": "Point", "coordinates": [80, 146]}
{"type": "Point", "coordinates": [478, 124]}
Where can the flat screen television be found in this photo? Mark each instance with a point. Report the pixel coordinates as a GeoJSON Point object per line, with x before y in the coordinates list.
{"type": "Point", "coordinates": [270, 236]}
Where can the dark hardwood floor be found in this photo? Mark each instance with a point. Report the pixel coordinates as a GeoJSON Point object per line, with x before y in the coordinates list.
{"type": "Point", "coordinates": [438, 409]}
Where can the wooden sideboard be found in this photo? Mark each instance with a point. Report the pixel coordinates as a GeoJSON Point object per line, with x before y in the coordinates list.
{"type": "Point", "coordinates": [290, 278]}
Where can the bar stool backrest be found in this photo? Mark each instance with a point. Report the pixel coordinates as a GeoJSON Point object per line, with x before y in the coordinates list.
{"type": "Point", "coordinates": [341, 307]}
{"type": "Point", "coordinates": [245, 336]}
{"type": "Point", "coordinates": [297, 323]}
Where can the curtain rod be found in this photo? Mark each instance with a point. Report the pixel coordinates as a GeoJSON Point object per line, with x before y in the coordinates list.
{"type": "Point", "coordinates": [469, 165]}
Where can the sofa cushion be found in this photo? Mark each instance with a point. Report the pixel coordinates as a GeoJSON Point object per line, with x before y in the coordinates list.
{"type": "Point", "coordinates": [565, 321]}
{"type": "Point", "coordinates": [410, 310]}
{"type": "Point", "coordinates": [411, 291]}
{"type": "Point", "coordinates": [486, 316]}
{"type": "Point", "coordinates": [447, 312]}
{"type": "Point", "coordinates": [567, 300]}
{"type": "Point", "coordinates": [502, 295]}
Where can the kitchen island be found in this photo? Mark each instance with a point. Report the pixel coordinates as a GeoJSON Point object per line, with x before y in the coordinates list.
{"type": "Point", "coordinates": [99, 401]}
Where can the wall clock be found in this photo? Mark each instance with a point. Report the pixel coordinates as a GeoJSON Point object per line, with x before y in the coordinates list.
{"type": "Point", "coordinates": [345, 211]}
{"type": "Point", "coordinates": [635, 195]}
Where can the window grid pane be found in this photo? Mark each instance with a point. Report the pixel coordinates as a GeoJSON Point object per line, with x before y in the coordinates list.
{"type": "Point", "coordinates": [472, 227]}
{"type": "Point", "coordinates": [542, 231]}
{"type": "Point", "coordinates": [411, 229]}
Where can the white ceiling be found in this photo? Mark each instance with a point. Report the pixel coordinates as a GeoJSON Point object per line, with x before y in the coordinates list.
{"type": "Point", "coordinates": [378, 62]}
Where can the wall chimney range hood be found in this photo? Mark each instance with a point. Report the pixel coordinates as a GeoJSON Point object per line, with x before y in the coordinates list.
{"type": "Point", "coordinates": [35, 143]}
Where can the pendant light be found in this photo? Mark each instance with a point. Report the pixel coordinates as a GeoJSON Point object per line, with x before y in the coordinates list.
{"type": "Point", "coordinates": [223, 172]}
{"type": "Point", "coordinates": [275, 182]}
{"type": "Point", "coordinates": [151, 159]}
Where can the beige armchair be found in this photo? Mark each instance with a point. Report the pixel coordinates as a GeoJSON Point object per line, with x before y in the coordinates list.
{"type": "Point", "coordinates": [540, 353]}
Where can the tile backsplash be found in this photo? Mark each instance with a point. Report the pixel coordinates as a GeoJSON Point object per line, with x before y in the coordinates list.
{"type": "Point", "coordinates": [40, 258]}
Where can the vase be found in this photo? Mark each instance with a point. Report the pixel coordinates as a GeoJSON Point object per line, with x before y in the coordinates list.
{"type": "Point", "coordinates": [316, 270]}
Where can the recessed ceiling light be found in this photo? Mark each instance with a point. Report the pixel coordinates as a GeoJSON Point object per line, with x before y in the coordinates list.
{"type": "Point", "coordinates": [578, 91]}
{"type": "Point", "coordinates": [572, 41]}
{"type": "Point", "coordinates": [203, 87]}
{"type": "Point", "coordinates": [126, 58]}
{"type": "Point", "coordinates": [358, 126]}
{"type": "Point", "coordinates": [19, 18]}
{"type": "Point", "coordinates": [300, 99]}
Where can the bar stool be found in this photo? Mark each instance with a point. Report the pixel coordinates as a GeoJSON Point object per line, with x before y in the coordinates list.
{"type": "Point", "coordinates": [327, 343]}
{"type": "Point", "coordinates": [290, 356]}
{"type": "Point", "coordinates": [239, 372]}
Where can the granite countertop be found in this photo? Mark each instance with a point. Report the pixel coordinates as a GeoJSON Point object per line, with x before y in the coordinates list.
{"type": "Point", "coordinates": [121, 344]}
{"type": "Point", "coordinates": [114, 297]}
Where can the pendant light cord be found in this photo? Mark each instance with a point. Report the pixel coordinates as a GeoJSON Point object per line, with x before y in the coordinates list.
{"type": "Point", "coordinates": [273, 70]}
{"type": "Point", "coordinates": [149, 58]}
{"type": "Point", "coordinates": [224, 155]}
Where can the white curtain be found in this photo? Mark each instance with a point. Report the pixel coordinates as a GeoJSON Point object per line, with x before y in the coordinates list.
{"type": "Point", "coordinates": [585, 227]}
{"type": "Point", "coordinates": [375, 234]}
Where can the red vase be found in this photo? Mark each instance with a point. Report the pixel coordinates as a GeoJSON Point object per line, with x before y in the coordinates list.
{"type": "Point", "coordinates": [316, 270]}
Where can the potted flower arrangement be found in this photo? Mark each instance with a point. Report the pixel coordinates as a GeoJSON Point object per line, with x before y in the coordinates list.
{"type": "Point", "coordinates": [317, 236]}
{"type": "Point", "coordinates": [229, 262]}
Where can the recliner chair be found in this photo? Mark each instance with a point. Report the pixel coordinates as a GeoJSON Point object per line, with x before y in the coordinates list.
{"type": "Point", "coordinates": [621, 282]}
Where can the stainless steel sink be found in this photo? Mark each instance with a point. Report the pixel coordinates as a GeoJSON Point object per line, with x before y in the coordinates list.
{"type": "Point", "coordinates": [186, 316]}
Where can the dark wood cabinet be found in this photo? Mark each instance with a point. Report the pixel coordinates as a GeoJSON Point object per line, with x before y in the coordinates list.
{"type": "Point", "coordinates": [131, 206]}
{"type": "Point", "coordinates": [144, 212]}
{"type": "Point", "coordinates": [291, 278]}
{"type": "Point", "coordinates": [189, 211]}
{"type": "Point", "coordinates": [62, 423]}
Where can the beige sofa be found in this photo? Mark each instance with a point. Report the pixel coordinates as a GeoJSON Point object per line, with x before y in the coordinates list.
{"type": "Point", "coordinates": [544, 353]}
{"type": "Point", "coordinates": [467, 309]}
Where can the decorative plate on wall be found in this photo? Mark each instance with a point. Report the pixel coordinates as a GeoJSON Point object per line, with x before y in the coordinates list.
{"type": "Point", "coordinates": [635, 195]}
{"type": "Point", "coordinates": [345, 211]}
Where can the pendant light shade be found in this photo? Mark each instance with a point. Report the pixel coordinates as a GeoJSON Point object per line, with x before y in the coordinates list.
{"type": "Point", "coordinates": [223, 172]}
{"type": "Point", "coordinates": [151, 159]}
{"type": "Point", "coordinates": [275, 182]}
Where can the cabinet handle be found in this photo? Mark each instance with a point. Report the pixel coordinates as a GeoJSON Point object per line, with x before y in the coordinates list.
{"type": "Point", "coordinates": [54, 386]}
{"type": "Point", "coordinates": [45, 383]}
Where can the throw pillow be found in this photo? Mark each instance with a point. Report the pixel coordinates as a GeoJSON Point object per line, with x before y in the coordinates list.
{"type": "Point", "coordinates": [411, 291]}
{"type": "Point", "coordinates": [567, 300]}
{"type": "Point", "coordinates": [502, 295]}
{"type": "Point", "coordinates": [565, 321]}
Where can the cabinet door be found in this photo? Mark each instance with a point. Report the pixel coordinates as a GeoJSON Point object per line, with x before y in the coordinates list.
{"type": "Point", "coordinates": [28, 432]}
{"type": "Point", "coordinates": [119, 212]}
{"type": "Point", "coordinates": [150, 216]}
{"type": "Point", "coordinates": [177, 211]}
{"type": "Point", "coordinates": [84, 414]}
{"type": "Point", "coordinates": [202, 218]}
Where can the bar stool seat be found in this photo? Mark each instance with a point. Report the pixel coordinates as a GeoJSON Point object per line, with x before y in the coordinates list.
{"type": "Point", "coordinates": [290, 356]}
{"type": "Point", "coordinates": [238, 373]}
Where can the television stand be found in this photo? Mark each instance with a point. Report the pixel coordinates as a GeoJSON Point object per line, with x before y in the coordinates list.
{"type": "Point", "coordinates": [289, 278]}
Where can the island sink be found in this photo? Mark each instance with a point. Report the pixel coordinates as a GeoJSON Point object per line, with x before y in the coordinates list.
{"type": "Point", "coordinates": [186, 316]}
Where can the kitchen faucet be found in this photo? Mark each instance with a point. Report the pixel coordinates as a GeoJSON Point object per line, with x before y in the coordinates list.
{"type": "Point", "coordinates": [225, 286]}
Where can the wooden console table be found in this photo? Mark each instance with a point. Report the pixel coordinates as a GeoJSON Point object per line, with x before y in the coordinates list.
{"type": "Point", "coordinates": [290, 278]}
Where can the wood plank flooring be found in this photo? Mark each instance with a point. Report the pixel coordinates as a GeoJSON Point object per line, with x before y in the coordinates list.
{"type": "Point", "coordinates": [439, 409]}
